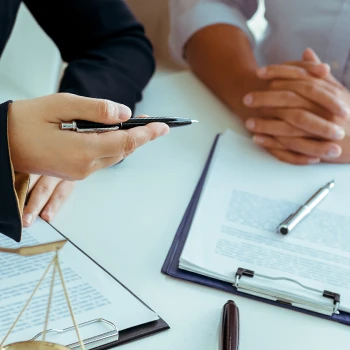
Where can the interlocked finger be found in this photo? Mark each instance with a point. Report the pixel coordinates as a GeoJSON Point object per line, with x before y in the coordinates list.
{"type": "Point", "coordinates": [308, 123]}
{"type": "Point", "coordinates": [292, 157]}
{"type": "Point", "coordinates": [310, 147]}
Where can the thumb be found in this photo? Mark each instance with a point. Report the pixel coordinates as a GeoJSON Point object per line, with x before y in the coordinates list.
{"type": "Point", "coordinates": [73, 107]}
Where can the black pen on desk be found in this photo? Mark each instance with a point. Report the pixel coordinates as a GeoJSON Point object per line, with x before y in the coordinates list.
{"type": "Point", "coordinates": [230, 326]}
{"type": "Point", "coordinates": [87, 126]}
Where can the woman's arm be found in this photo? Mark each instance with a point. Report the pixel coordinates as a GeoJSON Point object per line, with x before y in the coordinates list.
{"type": "Point", "coordinates": [212, 37]}
{"type": "Point", "coordinates": [222, 57]}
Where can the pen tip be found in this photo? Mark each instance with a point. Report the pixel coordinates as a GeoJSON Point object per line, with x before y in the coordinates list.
{"type": "Point", "coordinates": [331, 183]}
{"type": "Point", "coordinates": [194, 121]}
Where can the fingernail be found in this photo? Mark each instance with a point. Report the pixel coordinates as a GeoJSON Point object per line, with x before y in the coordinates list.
{"type": "Point", "coordinates": [259, 140]}
{"type": "Point", "coordinates": [334, 152]}
{"type": "Point", "coordinates": [344, 111]}
{"type": "Point", "coordinates": [327, 67]}
{"type": "Point", "coordinates": [248, 99]}
{"type": "Point", "coordinates": [27, 218]}
{"type": "Point", "coordinates": [47, 214]}
{"type": "Point", "coordinates": [124, 112]}
{"type": "Point", "coordinates": [164, 131]}
{"type": "Point", "coordinates": [339, 133]}
{"type": "Point", "coordinates": [314, 160]}
{"type": "Point", "coordinates": [262, 72]}
{"type": "Point", "coordinates": [250, 124]}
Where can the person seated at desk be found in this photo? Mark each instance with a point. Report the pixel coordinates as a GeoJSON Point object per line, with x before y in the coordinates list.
{"type": "Point", "coordinates": [109, 59]}
{"type": "Point", "coordinates": [293, 105]}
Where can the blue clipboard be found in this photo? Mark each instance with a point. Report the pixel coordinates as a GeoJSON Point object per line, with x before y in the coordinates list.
{"type": "Point", "coordinates": [171, 264]}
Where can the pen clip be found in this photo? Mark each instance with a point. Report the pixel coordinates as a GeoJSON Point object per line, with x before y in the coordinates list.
{"type": "Point", "coordinates": [97, 130]}
{"type": "Point", "coordinates": [74, 127]}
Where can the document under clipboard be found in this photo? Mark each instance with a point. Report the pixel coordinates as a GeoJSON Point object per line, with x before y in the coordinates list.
{"type": "Point", "coordinates": [329, 301]}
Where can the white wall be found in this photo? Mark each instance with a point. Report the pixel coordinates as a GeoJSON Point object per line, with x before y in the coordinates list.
{"type": "Point", "coordinates": [30, 65]}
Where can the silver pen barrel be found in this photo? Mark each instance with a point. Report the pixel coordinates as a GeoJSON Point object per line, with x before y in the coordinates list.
{"type": "Point", "coordinates": [288, 224]}
{"type": "Point", "coordinates": [319, 195]}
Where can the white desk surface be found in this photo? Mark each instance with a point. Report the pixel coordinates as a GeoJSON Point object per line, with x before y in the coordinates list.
{"type": "Point", "coordinates": [126, 218]}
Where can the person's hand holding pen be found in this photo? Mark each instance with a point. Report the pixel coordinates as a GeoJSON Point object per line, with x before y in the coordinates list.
{"type": "Point", "coordinates": [38, 146]}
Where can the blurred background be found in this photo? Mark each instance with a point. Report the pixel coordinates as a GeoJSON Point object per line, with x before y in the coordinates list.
{"type": "Point", "coordinates": [31, 65]}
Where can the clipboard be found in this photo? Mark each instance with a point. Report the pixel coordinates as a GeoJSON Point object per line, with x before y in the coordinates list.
{"type": "Point", "coordinates": [107, 334]}
{"type": "Point", "coordinates": [123, 336]}
{"type": "Point", "coordinates": [171, 263]}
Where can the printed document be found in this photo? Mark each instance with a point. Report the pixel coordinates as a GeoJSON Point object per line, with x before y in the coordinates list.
{"type": "Point", "coordinates": [247, 194]}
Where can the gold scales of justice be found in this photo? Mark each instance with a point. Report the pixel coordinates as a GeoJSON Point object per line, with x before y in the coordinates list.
{"type": "Point", "coordinates": [33, 344]}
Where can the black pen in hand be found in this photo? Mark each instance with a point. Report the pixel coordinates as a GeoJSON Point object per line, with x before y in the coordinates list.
{"type": "Point", "coordinates": [230, 327]}
{"type": "Point", "coordinates": [87, 126]}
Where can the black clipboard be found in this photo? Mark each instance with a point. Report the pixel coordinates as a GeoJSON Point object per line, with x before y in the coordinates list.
{"type": "Point", "coordinates": [171, 263]}
{"type": "Point", "coordinates": [129, 334]}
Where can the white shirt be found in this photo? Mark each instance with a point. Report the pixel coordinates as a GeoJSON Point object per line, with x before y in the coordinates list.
{"type": "Point", "coordinates": [292, 26]}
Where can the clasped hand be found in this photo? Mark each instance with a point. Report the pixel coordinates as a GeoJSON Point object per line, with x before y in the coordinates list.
{"type": "Point", "coordinates": [303, 114]}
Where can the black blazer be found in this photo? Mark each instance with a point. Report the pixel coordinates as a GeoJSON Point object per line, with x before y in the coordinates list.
{"type": "Point", "coordinates": [108, 57]}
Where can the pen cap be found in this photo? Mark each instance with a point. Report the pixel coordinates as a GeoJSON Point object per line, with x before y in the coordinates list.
{"type": "Point", "coordinates": [230, 326]}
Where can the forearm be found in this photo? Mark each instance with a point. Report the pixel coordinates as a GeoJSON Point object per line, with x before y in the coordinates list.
{"type": "Point", "coordinates": [222, 57]}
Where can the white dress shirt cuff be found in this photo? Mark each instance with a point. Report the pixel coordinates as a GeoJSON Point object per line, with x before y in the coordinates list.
{"type": "Point", "coordinates": [198, 17]}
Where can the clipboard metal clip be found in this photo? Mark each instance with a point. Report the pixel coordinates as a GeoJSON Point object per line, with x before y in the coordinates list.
{"type": "Point", "coordinates": [114, 332]}
{"type": "Point", "coordinates": [296, 294]}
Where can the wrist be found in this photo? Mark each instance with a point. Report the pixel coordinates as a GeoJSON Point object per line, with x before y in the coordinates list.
{"type": "Point", "coordinates": [12, 138]}
{"type": "Point", "coordinates": [243, 83]}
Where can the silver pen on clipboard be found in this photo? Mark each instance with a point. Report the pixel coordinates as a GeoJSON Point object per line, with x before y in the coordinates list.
{"type": "Point", "coordinates": [287, 225]}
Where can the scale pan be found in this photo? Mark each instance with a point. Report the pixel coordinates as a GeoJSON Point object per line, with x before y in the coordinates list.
{"type": "Point", "coordinates": [34, 345]}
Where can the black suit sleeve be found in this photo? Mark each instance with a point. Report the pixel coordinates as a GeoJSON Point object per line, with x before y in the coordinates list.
{"type": "Point", "coordinates": [106, 50]}
{"type": "Point", "coordinates": [10, 219]}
